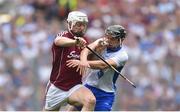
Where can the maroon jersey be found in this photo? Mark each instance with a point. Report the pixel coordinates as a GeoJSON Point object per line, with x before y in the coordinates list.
{"type": "Point", "coordinates": [62, 76]}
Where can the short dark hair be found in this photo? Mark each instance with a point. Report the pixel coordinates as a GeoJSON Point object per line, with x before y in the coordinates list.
{"type": "Point", "coordinates": [116, 31]}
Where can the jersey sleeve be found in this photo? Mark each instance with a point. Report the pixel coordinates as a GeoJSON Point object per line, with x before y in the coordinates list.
{"type": "Point", "coordinates": [120, 59]}
{"type": "Point", "coordinates": [59, 35]}
{"type": "Point", "coordinates": [62, 34]}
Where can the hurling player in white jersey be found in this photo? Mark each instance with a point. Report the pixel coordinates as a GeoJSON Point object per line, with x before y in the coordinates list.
{"type": "Point", "coordinates": [101, 79]}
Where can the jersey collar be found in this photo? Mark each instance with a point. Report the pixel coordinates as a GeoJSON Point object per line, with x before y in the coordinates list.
{"type": "Point", "coordinates": [114, 49]}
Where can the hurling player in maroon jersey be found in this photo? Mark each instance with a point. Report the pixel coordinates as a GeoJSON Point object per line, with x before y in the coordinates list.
{"type": "Point", "coordinates": [65, 84]}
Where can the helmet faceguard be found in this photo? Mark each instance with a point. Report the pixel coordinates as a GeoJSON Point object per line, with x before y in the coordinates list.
{"type": "Point", "coordinates": [73, 18]}
{"type": "Point", "coordinates": [116, 31]}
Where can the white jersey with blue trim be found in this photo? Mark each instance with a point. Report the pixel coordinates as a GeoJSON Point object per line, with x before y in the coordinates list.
{"type": "Point", "coordinates": [105, 79]}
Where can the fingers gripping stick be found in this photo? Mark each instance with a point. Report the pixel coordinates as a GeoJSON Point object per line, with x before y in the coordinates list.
{"type": "Point", "coordinates": [111, 66]}
{"type": "Point", "coordinates": [80, 41]}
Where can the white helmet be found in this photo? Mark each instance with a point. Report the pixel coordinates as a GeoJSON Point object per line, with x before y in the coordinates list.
{"type": "Point", "coordinates": [76, 16]}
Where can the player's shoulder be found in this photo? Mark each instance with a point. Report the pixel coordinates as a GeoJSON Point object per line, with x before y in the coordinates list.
{"type": "Point", "coordinates": [123, 53]}
{"type": "Point", "coordinates": [62, 33]}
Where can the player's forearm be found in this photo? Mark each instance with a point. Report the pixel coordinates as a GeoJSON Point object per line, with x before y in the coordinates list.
{"type": "Point", "coordinates": [84, 54]}
{"type": "Point", "coordinates": [64, 42]}
{"type": "Point", "coordinates": [97, 64]}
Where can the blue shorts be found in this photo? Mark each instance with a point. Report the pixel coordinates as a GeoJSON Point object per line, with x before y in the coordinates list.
{"type": "Point", "coordinates": [104, 100]}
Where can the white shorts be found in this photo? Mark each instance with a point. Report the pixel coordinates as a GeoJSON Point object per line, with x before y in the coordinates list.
{"type": "Point", "coordinates": [56, 97]}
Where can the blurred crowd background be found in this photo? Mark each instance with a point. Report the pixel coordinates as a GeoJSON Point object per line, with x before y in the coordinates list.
{"type": "Point", "coordinates": [28, 28]}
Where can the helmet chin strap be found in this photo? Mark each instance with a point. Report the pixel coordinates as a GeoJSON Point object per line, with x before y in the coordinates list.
{"type": "Point", "coordinates": [120, 42]}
